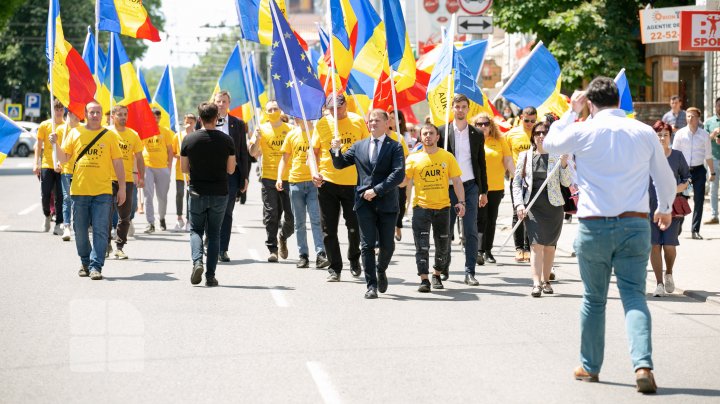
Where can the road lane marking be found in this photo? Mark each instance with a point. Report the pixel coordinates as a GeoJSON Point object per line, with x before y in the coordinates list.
{"type": "Point", "coordinates": [28, 209]}
{"type": "Point", "coordinates": [4, 227]}
{"type": "Point", "coordinates": [25, 165]}
{"type": "Point", "coordinates": [254, 254]}
{"type": "Point", "coordinates": [279, 297]}
{"type": "Point", "coordinates": [327, 391]}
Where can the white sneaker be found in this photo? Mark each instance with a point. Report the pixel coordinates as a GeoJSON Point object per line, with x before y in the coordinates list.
{"type": "Point", "coordinates": [57, 230]}
{"type": "Point", "coordinates": [131, 230]}
{"type": "Point", "coordinates": [46, 224]}
{"type": "Point", "coordinates": [179, 225]}
{"type": "Point", "coordinates": [66, 233]}
{"type": "Point", "coordinates": [659, 290]}
{"type": "Point", "coordinates": [187, 226]}
{"type": "Point", "coordinates": [669, 283]}
{"type": "Point", "coordinates": [120, 255]}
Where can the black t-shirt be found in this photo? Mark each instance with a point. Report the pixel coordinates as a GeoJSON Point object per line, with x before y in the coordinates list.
{"type": "Point", "coordinates": [208, 151]}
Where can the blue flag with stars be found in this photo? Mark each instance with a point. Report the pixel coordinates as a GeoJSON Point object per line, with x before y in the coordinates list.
{"type": "Point", "coordinates": [294, 80]}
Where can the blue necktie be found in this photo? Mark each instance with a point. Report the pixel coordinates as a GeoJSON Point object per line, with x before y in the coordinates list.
{"type": "Point", "coordinates": [374, 157]}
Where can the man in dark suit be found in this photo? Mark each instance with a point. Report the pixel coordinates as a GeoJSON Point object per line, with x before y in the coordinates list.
{"type": "Point", "coordinates": [380, 166]}
{"type": "Point", "coordinates": [238, 181]}
{"type": "Point", "coordinates": [467, 144]}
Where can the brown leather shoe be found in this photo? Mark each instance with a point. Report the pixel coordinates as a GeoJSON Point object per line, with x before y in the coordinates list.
{"type": "Point", "coordinates": [526, 256]}
{"type": "Point", "coordinates": [645, 381]}
{"type": "Point", "coordinates": [582, 374]}
{"type": "Point", "coordinates": [519, 256]}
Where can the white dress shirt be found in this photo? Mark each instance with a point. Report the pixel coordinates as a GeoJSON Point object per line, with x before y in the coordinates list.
{"type": "Point", "coordinates": [381, 139]}
{"type": "Point", "coordinates": [462, 152]}
{"type": "Point", "coordinates": [225, 128]}
{"type": "Point", "coordinates": [615, 157]}
{"type": "Point", "coordinates": [694, 146]}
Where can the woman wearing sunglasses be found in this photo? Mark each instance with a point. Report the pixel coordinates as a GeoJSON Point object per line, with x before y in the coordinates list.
{"type": "Point", "coordinates": [545, 217]}
{"type": "Point", "coordinates": [498, 159]}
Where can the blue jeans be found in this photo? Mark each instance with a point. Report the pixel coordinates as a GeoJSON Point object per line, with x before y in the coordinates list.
{"type": "Point", "coordinates": [65, 180]}
{"type": "Point", "coordinates": [95, 210]}
{"type": "Point", "coordinates": [206, 217]}
{"type": "Point", "coordinates": [304, 198]}
{"type": "Point", "coordinates": [622, 245]}
{"type": "Point", "coordinates": [714, 188]}
{"type": "Point", "coordinates": [472, 194]}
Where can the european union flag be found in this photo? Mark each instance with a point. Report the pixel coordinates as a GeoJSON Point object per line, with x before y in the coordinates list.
{"type": "Point", "coordinates": [292, 75]}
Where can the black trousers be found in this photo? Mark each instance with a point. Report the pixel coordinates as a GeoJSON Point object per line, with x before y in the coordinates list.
{"type": "Point", "coordinates": [698, 177]}
{"type": "Point", "coordinates": [439, 220]}
{"type": "Point", "coordinates": [226, 227]}
{"type": "Point", "coordinates": [402, 200]}
{"type": "Point", "coordinates": [50, 184]}
{"type": "Point", "coordinates": [277, 213]}
{"type": "Point", "coordinates": [124, 212]}
{"type": "Point", "coordinates": [375, 227]}
{"type": "Point", "coordinates": [520, 236]}
{"type": "Point", "coordinates": [179, 196]}
{"type": "Point", "coordinates": [487, 220]}
{"type": "Point", "coordinates": [333, 198]}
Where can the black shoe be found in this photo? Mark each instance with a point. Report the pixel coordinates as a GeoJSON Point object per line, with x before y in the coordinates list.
{"type": "Point", "coordinates": [371, 293]}
{"type": "Point", "coordinates": [197, 272]}
{"type": "Point", "coordinates": [436, 282]}
{"type": "Point", "coordinates": [480, 260]}
{"type": "Point", "coordinates": [321, 261]}
{"type": "Point", "coordinates": [382, 282]}
{"type": "Point", "coordinates": [355, 268]}
{"type": "Point", "coordinates": [303, 262]}
{"type": "Point", "coordinates": [223, 257]}
{"type": "Point", "coordinates": [445, 274]}
{"type": "Point", "coordinates": [696, 236]}
{"type": "Point", "coordinates": [471, 281]}
{"type": "Point", "coordinates": [282, 248]}
{"type": "Point", "coordinates": [210, 282]}
{"type": "Point", "coordinates": [163, 227]}
{"type": "Point", "coordinates": [489, 257]}
{"type": "Point", "coordinates": [243, 198]}
{"type": "Point", "coordinates": [424, 286]}
{"type": "Point", "coordinates": [83, 272]}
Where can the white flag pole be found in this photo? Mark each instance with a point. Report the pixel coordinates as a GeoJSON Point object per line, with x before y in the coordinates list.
{"type": "Point", "coordinates": [332, 70]}
{"type": "Point", "coordinates": [51, 13]}
{"type": "Point", "coordinates": [449, 38]}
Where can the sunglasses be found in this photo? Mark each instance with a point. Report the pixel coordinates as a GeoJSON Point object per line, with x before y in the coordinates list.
{"type": "Point", "coordinates": [662, 136]}
{"type": "Point", "coordinates": [540, 132]}
{"type": "Point", "coordinates": [486, 123]}
{"type": "Point", "coordinates": [529, 120]}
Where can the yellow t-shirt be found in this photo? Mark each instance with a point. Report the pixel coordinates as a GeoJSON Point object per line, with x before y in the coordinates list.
{"type": "Point", "coordinates": [495, 151]}
{"type": "Point", "coordinates": [130, 144]}
{"type": "Point", "coordinates": [518, 140]}
{"type": "Point", "coordinates": [155, 153]}
{"type": "Point", "coordinates": [43, 135]}
{"type": "Point", "coordinates": [176, 144]}
{"type": "Point", "coordinates": [431, 175]}
{"type": "Point", "coordinates": [271, 143]}
{"type": "Point", "coordinates": [351, 129]}
{"type": "Point", "coordinates": [62, 132]}
{"type": "Point", "coordinates": [394, 136]}
{"type": "Point", "coordinates": [93, 171]}
{"type": "Point", "coordinates": [297, 145]}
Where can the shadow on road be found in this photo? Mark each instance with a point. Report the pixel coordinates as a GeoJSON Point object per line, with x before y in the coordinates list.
{"type": "Point", "coordinates": [163, 276]}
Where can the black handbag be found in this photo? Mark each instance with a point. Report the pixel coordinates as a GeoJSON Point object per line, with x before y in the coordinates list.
{"type": "Point", "coordinates": [570, 199]}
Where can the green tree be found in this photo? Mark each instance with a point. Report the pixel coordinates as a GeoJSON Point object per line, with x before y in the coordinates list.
{"type": "Point", "coordinates": [588, 38]}
{"type": "Point", "coordinates": [22, 42]}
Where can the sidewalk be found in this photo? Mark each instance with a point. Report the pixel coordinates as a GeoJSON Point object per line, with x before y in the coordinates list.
{"type": "Point", "coordinates": [697, 267]}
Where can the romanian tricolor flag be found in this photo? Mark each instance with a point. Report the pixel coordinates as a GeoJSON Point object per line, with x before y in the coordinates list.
{"type": "Point", "coordinates": [232, 80]}
{"type": "Point", "coordinates": [71, 81]}
{"type": "Point", "coordinates": [537, 84]}
{"type": "Point", "coordinates": [102, 94]}
{"type": "Point", "coordinates": [361, 88]}
{"type": "Point", "coordinates": [400, 53]}
{"type": "Point", "coordinates": [140, 116]}
{"type": "Point", "coordinates": [626, 102]}
{"type": "Point", "coordinates": [164, 100]}
{"type": "Point", "coordinates": [256, 21]}
{"type": "Point", "coordinates": [341, 54]}
{"type": "Point", "coordinates": [371, 46]}
{"type": "Point", "coordinates": [127, 17]}
{"type": "Point", "coordinates": [9, 134]}
{"type": "Point", "coordinates": [261, 95]}
{"type": "Point", "coordinates": [143, 85]}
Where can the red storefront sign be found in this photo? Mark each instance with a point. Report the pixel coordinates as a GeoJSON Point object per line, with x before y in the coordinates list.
{"type": "Point", "coordinates": [699, 31]}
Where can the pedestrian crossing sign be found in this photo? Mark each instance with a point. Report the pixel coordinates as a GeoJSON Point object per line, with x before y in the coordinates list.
{"type": "Point", "coordinates": [14, 111]}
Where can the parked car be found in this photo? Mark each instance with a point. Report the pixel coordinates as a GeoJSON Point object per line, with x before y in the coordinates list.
{"type": "Point", "coordinates": [26, 142]}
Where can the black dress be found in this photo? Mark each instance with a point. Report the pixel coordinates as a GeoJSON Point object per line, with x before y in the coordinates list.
{"type": "Point", "coordinates": [669, 236]}
{"type": "Point", "coordinates": [544, 219]}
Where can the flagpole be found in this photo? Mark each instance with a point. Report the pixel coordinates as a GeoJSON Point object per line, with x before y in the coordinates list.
{"type": "Point", "coordinates": [332, 70]}
{"type": "Point", "coordinates": [251, 81]}
{"type": "Point", "coordinates": [352, 93]}
{"type": "Point", "coordinates": [450, 37]}
{"type": "Point", "coordinates": [514, 75]}
{"type": "Point", "coordinates": [51, 12]}
{"type": "Point", "coordinates": [112, 72]}
{"type": "Point", "coordinates": [311, 155]}
{"type": "Point", "coordinates": [97, 39]}
{"type": "Point", "coordinates": [394, 97]}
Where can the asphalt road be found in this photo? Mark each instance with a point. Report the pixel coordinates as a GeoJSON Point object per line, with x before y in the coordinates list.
{"type": "Point", "coordinates": [275, 333]}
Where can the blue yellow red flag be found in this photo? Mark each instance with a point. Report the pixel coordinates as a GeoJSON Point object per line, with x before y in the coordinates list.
{"type": "Point", "coordinates": [143, 84]}
{"type": "Point", "coordinates": [9, 134]}
{"type": "Point", "coordinates": [297, 90]}
{"type": "Point", "coordinates": [72, 82]}
{"type": "Point", "coordinates": [343, 32]}
{"type": "Point", "coordinates": [127, 17]}
{"type": "Point", "coordinates": [400, 53]}
{"type": "Point", "coordinates": [102, 93]}
{"type": "Point", "coordinates": [232, 80]}
{"type": "Point", "coordinates": [537, 84]}
{"type": "Point", "coordinates": [626, 102]}
{"type": "Point", "coordinates": [261, 95]}
{"type": "Point", "coordinates": [164, 100]}
{"type": "Point", "coordinates": [370, 48]}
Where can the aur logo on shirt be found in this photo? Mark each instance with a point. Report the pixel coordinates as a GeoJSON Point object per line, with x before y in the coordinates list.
{"type": "Point", "coordinates": [433, 172]}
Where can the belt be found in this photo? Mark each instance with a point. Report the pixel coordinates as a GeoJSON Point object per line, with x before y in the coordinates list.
{"type": "Point", "coordinates": [697, 167]}
{"type": "Point", "coordinates": [624, 215]}
{"type": "Point", "coordinates": [466, 183]}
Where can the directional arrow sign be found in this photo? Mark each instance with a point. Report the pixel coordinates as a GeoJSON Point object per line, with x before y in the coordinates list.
{"type": "Point", "coordinates": [474, 25]}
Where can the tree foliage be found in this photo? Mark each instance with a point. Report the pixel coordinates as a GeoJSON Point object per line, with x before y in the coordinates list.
{"type": "Point", "coordinates": [588, 38]}
{"type": "Point", "coordinates": [22, 42]}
